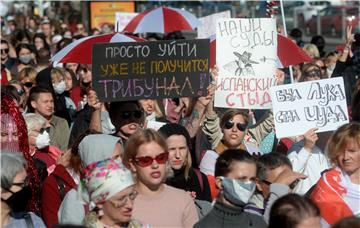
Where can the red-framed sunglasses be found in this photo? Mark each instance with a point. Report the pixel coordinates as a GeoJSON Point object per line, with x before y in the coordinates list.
{"type": "Point", "coordinates": [147, 160]}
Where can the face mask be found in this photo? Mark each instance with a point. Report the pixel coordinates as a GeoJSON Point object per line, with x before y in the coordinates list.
{"type": "Point", "coordinates": [85, 84]}
{"type": "Point", "coordinates": [236, 191]}
{"type": "Point", "coordinates": [19, 200]}
{"type": "Point", "coordinates": [60, 87]}
{"type": "Point", "coordinates": [42, 140]}
{"type": "Point", "coordinates": [25, 59]}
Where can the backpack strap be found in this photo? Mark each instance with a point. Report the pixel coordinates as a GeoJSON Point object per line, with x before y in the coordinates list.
{"type": "Point", "coordinates": [200, 178]}
{"type": "Point", "coordinates": [61, 187]}
{"type": "Point", "coordinates": [28, 220]}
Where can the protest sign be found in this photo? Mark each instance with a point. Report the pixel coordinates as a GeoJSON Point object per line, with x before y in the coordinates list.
{"type": "Point", "coordinates": [246, 54]}
{"type": "Point", "coordinates": [207, 27]}
{"type": "Point", "coordinates": [122, 19]}
{"type": "Point", "coordinates": [314, 104]}
{"type": "Point", "coordinates": [158, 69]}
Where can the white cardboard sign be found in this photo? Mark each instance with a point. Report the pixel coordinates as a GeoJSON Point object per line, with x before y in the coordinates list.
{"type": "Point", "coordinates": [207, 27]}
{"type": "Point", "coordinates": [122, 19]}
{"type": "Point", "coordinates": [313, 104]}
{"type": "Point", "coordinates": [246, 54]}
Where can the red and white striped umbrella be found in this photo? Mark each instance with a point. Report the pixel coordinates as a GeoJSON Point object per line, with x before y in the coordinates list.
{"type": "Point", "coordinates": [288, 52]}
{"type": "Point", "coordinates": [80, 51]}
{"type": "Point", "coordinates": [162, 20]}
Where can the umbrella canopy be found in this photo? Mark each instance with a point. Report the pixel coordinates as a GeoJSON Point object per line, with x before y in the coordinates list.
{"type": "Point", "coordinates": [80, 51]}
{"type": "Point", "coordinates": [288, 52]}
{"type": "Point", "coordinates": [162, 20]}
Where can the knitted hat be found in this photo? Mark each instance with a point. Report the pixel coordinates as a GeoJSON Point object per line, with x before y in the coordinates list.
{"type": "Point", "coordinates": [175, 129]}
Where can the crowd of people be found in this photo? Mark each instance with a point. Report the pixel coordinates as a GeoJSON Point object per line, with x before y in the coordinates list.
{"type": "Point", "coordinates": [68, 159]}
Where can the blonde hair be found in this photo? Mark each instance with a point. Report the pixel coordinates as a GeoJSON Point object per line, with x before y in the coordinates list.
{"type": "Point", "coordinates": [28, 72]}
{"type": "Point", "coordinates": [140, 138]}
{"type": "Point", "coordinates": [339, 140]}
{"type": "Point", "coordinates": [57, 73]}
{"type": "Point", "coordinates": [312, 50]}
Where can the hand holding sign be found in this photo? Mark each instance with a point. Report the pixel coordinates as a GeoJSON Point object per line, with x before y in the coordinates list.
{"type": "Point", "coordinates": [310, 138]}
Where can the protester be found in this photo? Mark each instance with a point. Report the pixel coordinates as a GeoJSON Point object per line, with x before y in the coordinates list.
{"type": "Point", "coordinates": [310, 72]}
{"type": "Point", "coordinates": [14, 138]}
{"type": "Point", "coordinates": [311, 50]}
{"type": "Point", "coordinates": [109, 185]}
{"type": "Point", "coordinates": [27, 77]}
{"type": "Point", "coordinates": [235, 173]}
{"type": "Point", "coordinates": [15, 192]}
{"type": "Point", "coordinates": [6, 60]}
{"type": "Point", "coordinates": [293, 211]}
{"type": "Point", "coordinates": [146, 155]}
{"type": "Point", "coordinates": [25, 58]}
{"type": "Point", "coordinates": [39, 41]}
{"type": "Point", "coordinates": [274, 178]}
{"type": "Point", "coordinates": [185, 177]}
{"type": "Point", "coordinates": [65, 177]}
{"type": "Point", "coordinates": [41, 102]}
{"type": "Point", "coordinates": [337, 193]}
{"type": "Point", "coordinates": [72, 210]}
{"type": "Point", "coordinates": [308, 159]}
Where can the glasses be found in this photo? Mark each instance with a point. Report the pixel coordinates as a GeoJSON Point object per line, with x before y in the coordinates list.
{"type": "Point", "coordinates": [147, 160]}
{"type": "Point", "coordinates": [229, 125]}
{"type": "Point", "coordinates": [128, 114]}
{"type": "Point", "coordinates": [313, 74]}
{"type": "Point", "coordinates": [22, 184]}
{"type": "Point", "coordinates": [42, 130]}
{"type": "Point", "coordinates": [121, 202]}
{"type": "Point", "coordinates": [28, 84]}
{"type": "Point", "coordinates": [20, 92]}
{"type": "Point", "coordinates": [5, 50]}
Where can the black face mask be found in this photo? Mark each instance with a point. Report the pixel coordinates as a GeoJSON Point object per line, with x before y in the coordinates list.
{"type": "Point", "coordinates": [85, 84]}
{"type": "Point", "coordinates": [18, 201]}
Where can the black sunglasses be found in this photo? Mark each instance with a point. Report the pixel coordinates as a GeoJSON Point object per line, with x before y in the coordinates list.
{"type": "Point", "coordinates": [128, 114]}
{"type": "Point", "coordinates": [28, 84]}
{"type": "Point", "coordinates": [228, 125]}
{"type": "Point", "coordinates": [47, 129]}
{"type": "Point", "coordinates": [313, 74]}
{"type": "Point", "coordinates": [6, 50]}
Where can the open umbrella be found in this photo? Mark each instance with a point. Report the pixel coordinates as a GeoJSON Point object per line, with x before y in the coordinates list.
{"type": "Point", "coordinates": [162, 20]}
{"type": "Point", "coordinates": [288, 52]}
{"type": "Point", "coordinates": [80, 51]}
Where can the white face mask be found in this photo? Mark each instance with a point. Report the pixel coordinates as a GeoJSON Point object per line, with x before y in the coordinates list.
{"type": "Point", "coordinates": [42, 140]}
{"type": "Point", "coordinates": [60, 87]}
{"type": "Point", "coordinates": [237, 191]}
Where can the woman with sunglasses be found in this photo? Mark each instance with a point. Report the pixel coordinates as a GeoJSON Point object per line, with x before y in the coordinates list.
{"type": "Point", "coordinates": [232, 132]}
{"type": "Point", "coordinates": [157, 204]}
{"type": "Point", "coordinates": [108, 186]}
{"type": "Point", "coordinates": [15, 193]}
{"type": "Point", "coordinates": [20, 92]}
{"type": "Point", "coordinates": [310, 72]}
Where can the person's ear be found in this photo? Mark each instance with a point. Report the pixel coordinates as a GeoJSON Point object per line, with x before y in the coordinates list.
{"type": "Point", "coordinates": [258, 185]}
{"type": "Point", "coordinates": [218, 183]}
{"type": "Point", "coordinates": [33, 104]}
{"type": "Point", "coordinates": [132, 166]}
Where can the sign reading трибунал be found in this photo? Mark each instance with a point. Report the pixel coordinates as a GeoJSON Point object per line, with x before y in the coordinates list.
{"type": "Point", "coordinates": [150, 70]}
{"type": "Point", "coordinates": [315, 104]}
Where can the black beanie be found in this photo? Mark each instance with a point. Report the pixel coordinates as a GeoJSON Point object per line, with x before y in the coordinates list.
{"type": "Point", "coordinates": [175, 129]}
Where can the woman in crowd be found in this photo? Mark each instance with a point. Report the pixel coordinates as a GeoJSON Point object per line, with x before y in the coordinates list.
{"type": "Point", "coordinates": [39, 141]}
{"type": "Point", "coordinates": [92, 148]}
{"type": "Point", "coordinates": [25, 58]}
{"type": "Point", "coordinates": [39, 41]}
{"type": "Point", "coordinates": [146, 155]}
{"type": "Point", "coordinates": [337, 193]}
{"type": "Point", "coordinates": [185, 177]}
{"type": "Point", "coordinates": [27, 77]}
{"type": "Point", "coordinates": [15, 192]}
{"type": "Point", "coordinates": [108, 186]}
{"type": "Point", "coordinates": [232, 132]}
{"type": "Point", "coordinates": [14, 138]}
{"type": "Point", "coordinates": [294, 211]}
{"type": "Point", "coordinates": [310, 72]}
{"type": "Point", "coordinates": [20, 90]}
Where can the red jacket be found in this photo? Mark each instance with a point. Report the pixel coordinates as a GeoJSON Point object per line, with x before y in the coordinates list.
{"type": "Point", "coordinates": [51, 195]}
